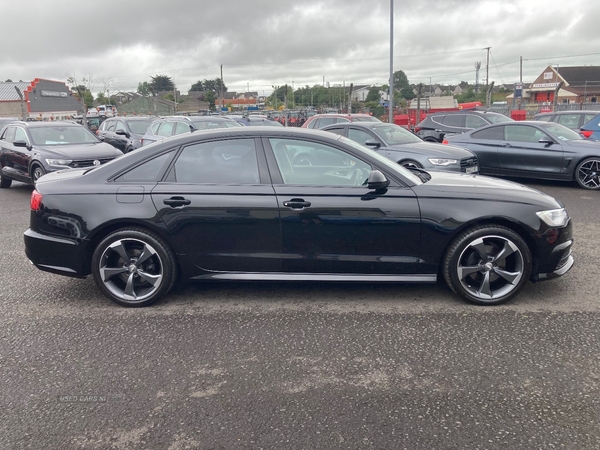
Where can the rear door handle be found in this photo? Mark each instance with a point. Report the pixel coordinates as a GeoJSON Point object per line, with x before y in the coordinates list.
{"type": "Point", "coordinates": [174, 202]}
{"type": "Point", "coordinates": [296, 203]}
{"type": "Point", "coordinates": [506, 144]}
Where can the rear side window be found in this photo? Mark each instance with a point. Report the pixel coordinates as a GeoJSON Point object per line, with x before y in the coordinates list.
{"type": "Point", "coordinates": [545, 118]}
{"type": "Point", "coordinates": [166, 129]}
{"type": "Point", "coordinates": [148, 170]}
{"type": "Point", "coordinates": [222, 162]}
{"type": "Point", "coordinates": [182, 127]}
{"type": "Point", "coordinates": [492, 133]}
{"type": "Point", "coordinates": [457, 120]}
{"type": "Point", "coordinates": [9, 135]}
{"type": "Point", "coordinates": [569, 120]}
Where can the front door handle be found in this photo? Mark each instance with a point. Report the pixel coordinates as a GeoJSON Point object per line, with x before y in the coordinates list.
{"type": "Point", "coordinates": [174, 202]}
{"type": "Point", "coordinates": [506, 144]}
{"type": "Point", "coordinates": [296, 203]}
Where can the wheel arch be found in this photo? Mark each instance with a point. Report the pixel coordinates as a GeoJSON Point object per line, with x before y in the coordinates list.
{"type": "Point", "coordinates": [579, 160]}
{"type": "Point", "coordinates": [517, 227]}
{"type": "Point", "coordinates": [100, 233]}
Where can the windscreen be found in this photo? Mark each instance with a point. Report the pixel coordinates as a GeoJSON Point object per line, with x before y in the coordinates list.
{"type": "Point", "coordinates": [61, 135]}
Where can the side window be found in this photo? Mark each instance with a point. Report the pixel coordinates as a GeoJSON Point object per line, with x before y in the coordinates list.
{"type": "Point", "coordinates": [588, 117]}
{"type": "Point", "coordinates": [148, 170]}
{"type": "Point", "coordinates": [339, 131]}
{"type": "Point", "coordinates": [455, 120]}
{"type": "Point", "coordinates": [155, 127]}
{"type": "Point", "coordinates": [313, 123]}
{"type": "Point", "coordinates": [523, 133]}
{"type": "Point", "coordinates": [120, 126]}
{"type": "Point", "coordinates": [9, 136]}
{"type": "Point", "coordinates": [359, 136]}
{"type": "Point", "coordinates": [21, 135]}
{"type": "Point", "coordinates": [474, 121]}
{"type": "Point", "coordinates": [111, 126]}
{"type": "Point", "coordinates": [493, 133]}
{"type": "Point", "coordinates": [166, 129]}
{"type": "Point", "coordinates": [438, 119]}
{"type": "Point", "coordinates": [324, 121]}
{"type": "Point", "coordinates": [342, 120]}
{"type": "Point", "coordinates": [223, 162]}
{"type": "Point", "coordinates": [545, 118]}
{"type": "Point", "coordinates": [569, 120]}
{"type": "Point", "coordinates": [182, 127]}
{"type": "Point", "coordinates": [311, 163]}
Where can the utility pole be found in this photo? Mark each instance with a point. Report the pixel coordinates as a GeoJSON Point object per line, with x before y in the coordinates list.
{"type": "Point", "coordinates": [350, 99]}
{"type": "Point", "coordinates": [487, 68]}
{"type": "Point", "coordinates": [477, 67]}
{"type": "Point", "coordinates": [221, 95]}
{"type": "Point", "coordinates": [23, 108]}
{"type": "Point", "coordinates": [391, 99]}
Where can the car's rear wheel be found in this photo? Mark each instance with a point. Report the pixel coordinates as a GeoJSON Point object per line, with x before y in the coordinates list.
{"type": "Point", "coordinates": [410, 164]}
{"type": "Point", "coordinates": [487, 265]}
{"type": "Point", "coordinates": [37, 172]}
{"type": "Point", "coordinates": [587, 173]}
{"type": "Point", "coordinates": [134, 267]}
{"type": "Point", "coordinates": [431, 139]}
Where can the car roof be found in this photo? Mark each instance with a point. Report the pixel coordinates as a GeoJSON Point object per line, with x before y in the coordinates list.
{"type": "Point", "coordinates": [42, 124]}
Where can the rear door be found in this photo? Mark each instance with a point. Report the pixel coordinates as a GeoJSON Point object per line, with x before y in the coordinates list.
{"type": "Point", "coordinates": [218, 203]}
{"type": "Point", "coordinates": [15, 160]}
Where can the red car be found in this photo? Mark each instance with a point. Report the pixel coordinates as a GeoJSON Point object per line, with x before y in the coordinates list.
{"type": "Point", "coordinates": [322, 120]}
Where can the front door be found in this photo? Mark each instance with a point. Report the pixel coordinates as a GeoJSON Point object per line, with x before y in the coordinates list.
{"type": "Point", "coordinates": [332, 223]}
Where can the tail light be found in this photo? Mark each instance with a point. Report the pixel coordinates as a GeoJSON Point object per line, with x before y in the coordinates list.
{"type": "Point", "coordinates": [586, 134]}
{"type": "Point", "coordinates": [417, 129]}
{"type": "Point", "coordinates": [36, 201]}
{"type": "Point", "coordinates": [97, 133]}
{"type": "Point", "coordinates": [141, 142]}
{"type": "Point", "coordinates": [445, 142]}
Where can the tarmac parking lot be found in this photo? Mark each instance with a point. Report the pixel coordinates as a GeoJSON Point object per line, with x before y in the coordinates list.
{"type": "Point", "coordinates": [296, 365]}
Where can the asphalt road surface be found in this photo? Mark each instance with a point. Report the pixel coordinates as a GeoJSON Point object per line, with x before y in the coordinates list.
{"type": "Point", "coordinates": [299, 365]}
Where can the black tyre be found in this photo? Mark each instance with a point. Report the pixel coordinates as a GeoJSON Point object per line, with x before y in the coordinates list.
{"type": "Point", "coordinates": [487, 265]}
{"type": "Point", "coordinates": [410, 164]}
{"type": "Point", "coordinates": [4, 182]}
{"type": "Point", "coordinates": [134, 267]}
{"type": "Point", "coordinates": [37, 172]}
{"type": "Point", "coordinates": [587, 173]}
{"type": "Point", "coordinates": [431, 139]}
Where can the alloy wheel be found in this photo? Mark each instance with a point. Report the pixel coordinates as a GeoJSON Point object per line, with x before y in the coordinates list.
{"type": "Point", "coordinates": [588, 173]}
{"type": "Point", "coordinates": [490, 267]}
{"type": "Point", "coordinates": [131, 270]}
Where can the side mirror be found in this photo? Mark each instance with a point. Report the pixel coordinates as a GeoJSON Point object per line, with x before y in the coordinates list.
{"type": "Point", "coordinates": [122, 133]}
{"type": "Point", "coordinates": [21, 143]}
{"type": "Point", "coordinates": [377, 180]}
{"type": "Point", "coordinates": [546, 140]}
{"type": "Point", "coordinates": [371, 143]}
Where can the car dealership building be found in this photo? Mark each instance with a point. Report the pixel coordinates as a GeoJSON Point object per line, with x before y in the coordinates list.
{"type": "Point", "coordinates": [41, 100]}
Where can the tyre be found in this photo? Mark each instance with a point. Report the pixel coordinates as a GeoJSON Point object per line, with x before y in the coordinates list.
{"type": "Point", "coordinates": [487, 265]}
{"type": "Point", "coordinates": [410, 164]}
{"type": "Point", "coordinates": [4, 182]}
{"type": "Point", "coordinates": [587, 173]}
{"type": "Point", "coordinates": [431, 139]}
{"type": "Point", "coordinates": [37, 172]}
{"type": "Point", "coordinates": [134, 267]}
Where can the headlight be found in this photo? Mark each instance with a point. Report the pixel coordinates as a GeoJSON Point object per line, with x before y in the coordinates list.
{"type": "Point", "coordinates": [554, 217]}
{"type": "Point", "coordinates": [59, 162]}
{"type": "Point", "coordinates": [442, 161]}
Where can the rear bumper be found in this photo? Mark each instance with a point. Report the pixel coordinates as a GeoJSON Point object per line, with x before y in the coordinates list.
{"type": "Point", "coordinates": [54, 254]}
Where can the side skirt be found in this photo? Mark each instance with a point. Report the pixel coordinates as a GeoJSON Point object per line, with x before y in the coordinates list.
{"type": "Point", "coordinates": [280, 276]}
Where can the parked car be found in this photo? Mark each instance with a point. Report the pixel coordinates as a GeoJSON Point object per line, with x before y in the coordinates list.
{"type": "Point", "coordinates": [171, 126]}
{"type": "Point", "coordinates": [591, 129]}
{"type": "Point", "coordinates": [570, 119]}
{"type": "Point", "coordinates": [29, 150]}
{"type": "Point", "coordinates": [124, 133]}
{"type": "Point", "coordinates": [102, 111]}
{"type": "Point", "coordinates": [322, 120]}
{"type": "Point", "coordinates": [402, 146]}
{"type": "Point", "coordinates": [436, 125]}
{"type": "Point", "coordinates": [255, 121]}
{"type": "Point", "coordinates": [231, 205]}
{"type": "Point", "coordinates": [530, 149]}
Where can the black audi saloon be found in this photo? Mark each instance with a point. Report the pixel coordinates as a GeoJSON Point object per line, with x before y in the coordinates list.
{"type": "Point", "coordinates": [232, 205]}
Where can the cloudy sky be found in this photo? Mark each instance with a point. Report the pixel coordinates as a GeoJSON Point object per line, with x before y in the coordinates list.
{"type": "Point", "coordinates": [265, 43]}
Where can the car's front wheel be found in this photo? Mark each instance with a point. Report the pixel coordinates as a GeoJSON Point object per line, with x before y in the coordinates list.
{"type": "Point", "coordinates": [37, 172]}
{"type": "Point", "coordinates": [410, 164]}
{"type": "Point", "coordinates": [134, 267]}
{"type": "Point", "coordinates": [587, 173]}
{"type": "Point", "coordinates": [487, 265]}
{"type": "Point", "coordinates": [4, 181]}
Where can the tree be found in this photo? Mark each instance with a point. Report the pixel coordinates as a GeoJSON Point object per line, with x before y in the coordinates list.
{"type": "Point", "coordinates": [210, 99]}
{"type": "Point", "coordinates": [161, 83]}
{"type": "Point", "coordinates": [400, 80]}
{"type": "Point", "coordinates": [8, 80]}
{"type": "Point", "coordinates": [144, 89]}
{"type": "Point", "coordinates": [373, 95]}
{"type": "Point", "coordinates": [208, 85]}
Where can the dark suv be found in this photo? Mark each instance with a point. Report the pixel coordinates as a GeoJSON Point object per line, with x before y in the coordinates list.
{"type": "Point", "coordinates": [570, 119]}
{"type": "Point", "coordinates": [124, 133]}
{"type": "Point", "coordinates": [437, 125]}
{"type": "Point", "coordinates": [28, 150]}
